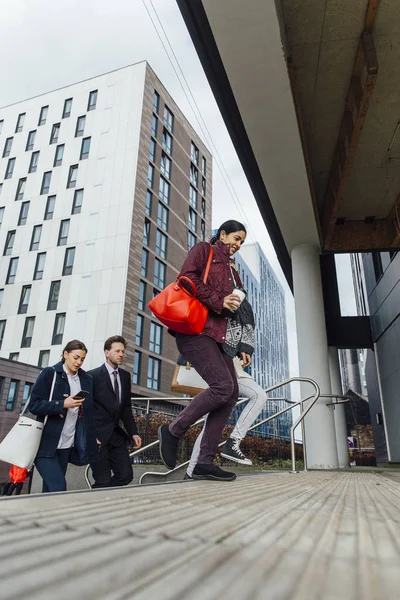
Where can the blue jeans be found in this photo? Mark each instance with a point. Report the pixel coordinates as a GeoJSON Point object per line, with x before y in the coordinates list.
{"type": "Point", "coordinates": [217, 369]}
{"type": "Point", "coordinates": [52, 470]}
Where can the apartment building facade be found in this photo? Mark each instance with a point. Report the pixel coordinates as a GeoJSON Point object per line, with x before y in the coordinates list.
{"type": "Point", "coordinates": [104, 186]}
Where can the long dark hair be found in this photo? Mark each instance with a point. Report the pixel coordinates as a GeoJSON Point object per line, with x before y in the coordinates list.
{"type": "Point", "coordinates": [229, 227]}
{"type": "Point", "coordinates": [73, 345]}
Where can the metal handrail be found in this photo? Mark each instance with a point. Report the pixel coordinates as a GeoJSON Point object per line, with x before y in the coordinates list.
{"type": "Point", "coordinates": [314, 398]}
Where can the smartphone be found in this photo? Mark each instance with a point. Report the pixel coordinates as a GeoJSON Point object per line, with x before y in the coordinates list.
{"type": "Point", "coordinates": [81, 394]}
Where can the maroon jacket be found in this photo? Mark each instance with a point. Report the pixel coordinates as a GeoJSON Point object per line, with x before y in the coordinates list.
{"type": "Point", "coordinates": [219, 284]}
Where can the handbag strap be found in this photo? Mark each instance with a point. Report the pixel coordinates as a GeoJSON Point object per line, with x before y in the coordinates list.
{"type": "Point", "coordinates": [50, 398]}
{"type": "Point", "coordinates": [206, 272]}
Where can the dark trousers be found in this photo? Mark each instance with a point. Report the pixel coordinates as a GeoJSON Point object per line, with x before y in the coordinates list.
{"type": "Point", "coordinates": [52, 471]}
{"type": "Point", "coordinates": [113, 457]}
{"type": "Point", "coordinates": [217, 369]}
{"type": "Point", "coordinates": [9, 488]}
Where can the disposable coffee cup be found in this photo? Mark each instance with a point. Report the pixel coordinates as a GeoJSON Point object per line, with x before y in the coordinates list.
{"type": "Point", "coordinates": [240, 293]}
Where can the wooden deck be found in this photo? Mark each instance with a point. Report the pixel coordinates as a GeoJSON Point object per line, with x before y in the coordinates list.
{"type": "Point", "coordinates": [309, 536]}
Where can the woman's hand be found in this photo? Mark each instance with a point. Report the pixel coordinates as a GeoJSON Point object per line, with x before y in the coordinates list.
{"type": "Point", "coordinates": [71, 402]}
{"type": "Point", "coordinates": [246, 359]}
{"type": "Point", "coordinates": [232, 302]}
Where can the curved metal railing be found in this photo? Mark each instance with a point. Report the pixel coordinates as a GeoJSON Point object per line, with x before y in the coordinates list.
{"type": "Point", "coordinates": [313, 398]}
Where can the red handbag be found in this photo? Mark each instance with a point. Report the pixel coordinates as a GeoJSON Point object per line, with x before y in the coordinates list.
{"type": "Point", "coordinates": [178, 308]}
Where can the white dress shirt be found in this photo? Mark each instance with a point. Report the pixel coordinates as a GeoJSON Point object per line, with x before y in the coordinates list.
{"type": "Point", "coordinates": [68, 432]}
{"type": "Point", "coordinates": [111, 371]}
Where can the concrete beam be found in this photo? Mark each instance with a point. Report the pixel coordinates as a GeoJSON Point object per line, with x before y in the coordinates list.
{"type": "Point", "coordinates": [362, 84]}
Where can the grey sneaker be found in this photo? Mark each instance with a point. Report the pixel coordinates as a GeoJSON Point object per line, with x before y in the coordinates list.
{"type": "Point", "coordinates": [231, 450]}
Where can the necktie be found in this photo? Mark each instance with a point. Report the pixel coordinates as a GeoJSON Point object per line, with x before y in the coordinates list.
{"type": "Point", "coordinates": [116, 385]}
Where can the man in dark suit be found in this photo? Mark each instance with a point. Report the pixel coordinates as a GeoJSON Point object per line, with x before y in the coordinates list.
{"type": "Point", "coordinates": [112, 404]}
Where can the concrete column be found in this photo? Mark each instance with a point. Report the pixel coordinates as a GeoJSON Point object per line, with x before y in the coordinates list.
{"type": "Point", "coordinates": [339, 412]}
{"type": "Point", "coordinates": [313, 356]}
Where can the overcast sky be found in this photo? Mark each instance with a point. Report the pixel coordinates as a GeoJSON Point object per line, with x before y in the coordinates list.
{"type": "Point", "coordinates": [51, 44]}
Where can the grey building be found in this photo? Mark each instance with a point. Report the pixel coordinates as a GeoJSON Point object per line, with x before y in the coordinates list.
{"type": "Point", "coordinates": [270, 363]}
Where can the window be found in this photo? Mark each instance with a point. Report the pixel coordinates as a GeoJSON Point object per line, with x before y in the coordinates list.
{"type": "Point", "coordinates": [193, 197]}
{"type": "Point", "coordinates": [153, 373]}
{"type": "Point", "coordinates": [35, 240]}
{"type": "Point", "coordinates": [58, 331]}
{"type": "Point", "coordinates": [20, 189]}
{"type": "Point", "coordinates": [154, 125]}
{"type": "Point", "coordinates": [63, 233]}
{"type": "Point", "coordinates": [45, 183]}
{"type": "Point", "coordinates": [192, 221]}
{"type": "Point", "coordinates": [2, 330]}
{"type": "Point", "coordinates": [24, 299]}
{"type": "Point", "coordinates": [80, 126]}
{"type": "Point", "coordinates": [203, 231]}
{"type": "Point", "coordinates": [85, 147]}
{"type": "Point", "coordinates": [44, 358]}
{"type": "Point", "coordinates": [68, 261]}
{"type": "Point", "coordinates": [26, 394]}
{"type": "Point", "coordinates": [72, 175]}
{"type": "Point", "coordinates": [12, 270]}
{"type": "Point", "coordinates": [58, 156]}
{"type": "Point", "coordinates": [156, 101]}
{"type": "Point", "coordinates": [149, 202]}
{"type": "Point", "coordinates": [10, 168]}
{"type": "Point", "coordinates": [20, 123]}
{"type": "Point", "coordinates": [12, 394]}
{"type": "Point", "coordinates": [145, 263]}
{"type": "Point", "coordinates": [155, 338]}
{"type": "Point", "coordinates": [23, 213]}
{"type": "Point", "coordinates": [26, 341]}
{"type": "Point", "coordinates": [203, 166]}
{"type": "Point", "coordinates": [194, 154]}
{"type": "Point", "coordinates": [34, 162]}
{"type": "Point", "coordinates": [67, 108]}
{"type": "Point", "coordinates": [203, 186]}
{"type": "Point", "coordinates": [193, 174]}
{"type": "Point", "coordinates": [191, 240]}
{"type": "Point", "coordinates": [7, 147]}
{"type": "Point", "coordinates": [167, 141]}
{"type": "Point", "coordinates": [39, 266]}
{"type": "Point", "coordinates": [139, 330]}
{"type": "Point", "coordinates": [1, 125]}
{"type": "Point", "coordinates": [49, 210]}
{"type": "Point", "coordinates": [153, 146]}
{"type": "Point", "coordinates": [92, 100]}
{"type": "Point", "coordinates": [165, 166]}
{"type": "Point", "coordinates": [55, 131]}
{"type": "Point", "coordinates": [2, 209]}
{"type": "Point", "coordinates": [150, 176]}
{"type": "Point", "coordinates": [137, 363]}
{"type": "Point", "coordinates": [161, 244]}
{"type": "Point", "coordinates": [146, 232]}
{"type": "Point", "coordinates": [162, 216]}
{"type": "Point", "coordinates": [142, 295]}
{"type": "Point", "coordinates": [8, 246]}
{"type": "Point", "coordinates": [159, 273]}
{"type": "Point", "coordinates": [168, 118]}
{"type": "Point", "coordinates": [54, 295]}
{"type": "Point", "coordinates": [30, 141]}
{"type": "Point", "coordinates": [43, 115]}
{"type": "Point", "coordinates": [164, 190]}
{"type": "Point", "coordinates": [14, 356]}
{"type": "Point", "coordinates": [203, 208]}
{"type": "Point", "coordinates": [77, 202]}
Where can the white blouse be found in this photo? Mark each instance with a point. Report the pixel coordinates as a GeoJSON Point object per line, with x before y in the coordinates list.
{"type": "Point", "coordinates": [68, 432]}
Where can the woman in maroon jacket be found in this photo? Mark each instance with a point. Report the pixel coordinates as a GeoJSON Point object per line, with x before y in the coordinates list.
{"type": "Point", "coordinates": [205, 352]}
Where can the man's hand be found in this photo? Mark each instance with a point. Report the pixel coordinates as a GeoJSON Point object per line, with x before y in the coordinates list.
{"type": "Point", "coordinates": [98, 442]}
{"type": "Point", "coordinates": [246, 359]}
{"type": "Point", "coordinates": [137, 440]}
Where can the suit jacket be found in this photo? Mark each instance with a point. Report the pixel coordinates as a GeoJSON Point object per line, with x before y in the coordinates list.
{"type": "Point", "coordinates": [39, 405]}
{"type": "Point", "coordinates": [108, 411]}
